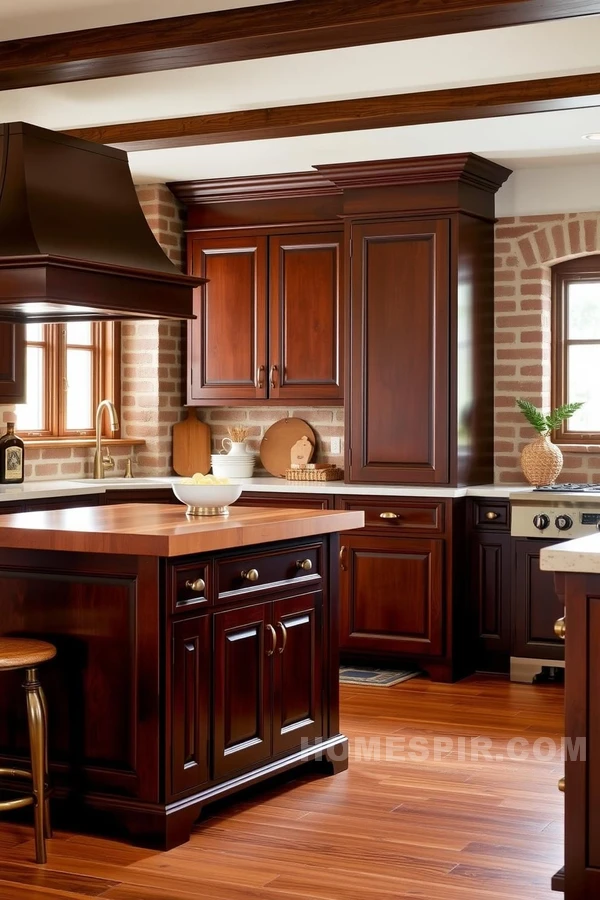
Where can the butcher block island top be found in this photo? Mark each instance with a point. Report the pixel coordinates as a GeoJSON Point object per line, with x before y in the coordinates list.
{"type": "Point", "coordinates": [164, 530]}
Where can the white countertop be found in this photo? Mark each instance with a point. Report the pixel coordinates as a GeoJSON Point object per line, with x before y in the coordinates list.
{"type": "Point", "coordinates": [580, 555]}
{"type": "Point", "coordinates": [40, 489]}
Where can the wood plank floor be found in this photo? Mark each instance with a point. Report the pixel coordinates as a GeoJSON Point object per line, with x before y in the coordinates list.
{"type": "Point", "coordinates": [449, 827]}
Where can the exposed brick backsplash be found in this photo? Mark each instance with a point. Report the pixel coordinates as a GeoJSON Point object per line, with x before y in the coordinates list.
{"type": "Point", "coordinates": [526, 248]}
{"type": "Point", "coordinates": [326, 422]}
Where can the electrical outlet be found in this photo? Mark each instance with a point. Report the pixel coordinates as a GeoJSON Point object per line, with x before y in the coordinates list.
{"type": "Point", "coordinates": [336, 445]}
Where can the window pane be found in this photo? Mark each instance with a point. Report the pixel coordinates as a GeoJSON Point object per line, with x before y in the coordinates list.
{"type": "Point", "coordinates": [583, 385]}
{"type": "Point", "coordinates": [583, 311]}
{"type": "Point", "coordinates": [79, 390]}
{"type": "Point", "coordinates": [30, 415]}
{"type": "Point", "coordinates": [34, 332]}
{"type": "Point", "coordinates": [79, 333]}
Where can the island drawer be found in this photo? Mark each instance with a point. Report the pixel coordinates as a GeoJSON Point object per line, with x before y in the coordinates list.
{"type": "Point", "coordinates": [190, 586]}
{"type": "Point", "coordinates": [277, 569]}
{"type": "Point", "coordinates": [397, 515]}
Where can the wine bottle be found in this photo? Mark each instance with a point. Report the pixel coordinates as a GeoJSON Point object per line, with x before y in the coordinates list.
{"type": "Point", "coordinates": [12, 457]}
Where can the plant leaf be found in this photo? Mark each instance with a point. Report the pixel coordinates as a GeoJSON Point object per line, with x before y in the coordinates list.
{"type": "Point", "coordinates": [533, 415]}
{"type": "Point", "coordinates": [562, 412]}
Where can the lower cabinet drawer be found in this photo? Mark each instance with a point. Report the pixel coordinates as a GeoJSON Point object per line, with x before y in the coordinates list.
{"type": "Point", "coordinates": [395, 515]}
{"type": "Point", "coordinates": [269, 570]}
{"type": "Point", "coordinates": [190, 586]}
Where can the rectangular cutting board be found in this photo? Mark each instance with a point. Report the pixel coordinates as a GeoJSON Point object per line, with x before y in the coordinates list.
{"type": "Point", "coordinates": [191, 445]}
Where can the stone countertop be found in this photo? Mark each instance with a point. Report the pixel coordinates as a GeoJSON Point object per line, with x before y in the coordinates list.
{"type": "Point", "coordinates": [39, 490]}
{"type": "Point", "coordinates": [579, 555]}
{"type": "Point", "coordinates": [165, 530]}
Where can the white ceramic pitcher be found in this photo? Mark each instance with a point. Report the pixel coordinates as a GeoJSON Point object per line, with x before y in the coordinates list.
{"type": "Point", "coordinates": [233, 448]}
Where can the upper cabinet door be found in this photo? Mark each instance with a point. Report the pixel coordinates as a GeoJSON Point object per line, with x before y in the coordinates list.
{"type": "Point", "coordinates": [227, 341]}
{"type": "Point", "coordinates": [305, 317]}
{"type": "Point", "coordinates": [399, 365]}
{"type": "Point", "coordinates": [12, 363]}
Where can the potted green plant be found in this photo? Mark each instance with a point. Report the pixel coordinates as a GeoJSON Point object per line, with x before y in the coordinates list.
{"type": "Point", "coordinates": [541, 460]}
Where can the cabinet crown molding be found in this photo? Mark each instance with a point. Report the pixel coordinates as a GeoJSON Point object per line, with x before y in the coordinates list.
{"type": "Point", "coordinates": [465, 167]}
{"type": "Point", "coordinates": [254, 187]}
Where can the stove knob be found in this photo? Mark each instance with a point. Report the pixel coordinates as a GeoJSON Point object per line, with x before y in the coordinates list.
{"type": "Point", "coordinates": [563, 523]}
{"type": "Point", "coordinates": [541, 522]}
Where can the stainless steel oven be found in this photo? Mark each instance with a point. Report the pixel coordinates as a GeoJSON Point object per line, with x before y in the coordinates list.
{"type": "Point", "coordinates": [539, 518]}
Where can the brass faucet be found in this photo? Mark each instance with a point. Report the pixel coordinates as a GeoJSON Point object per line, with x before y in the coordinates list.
{"type": "Point", "coordinates": [104, 462]}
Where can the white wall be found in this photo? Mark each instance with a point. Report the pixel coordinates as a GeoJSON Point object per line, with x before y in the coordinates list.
{"type": "Point", "coordinates": [552, 189]}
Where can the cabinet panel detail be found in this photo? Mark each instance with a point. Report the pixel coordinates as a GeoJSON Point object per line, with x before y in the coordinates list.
{"type": "Point", "coordinates": [392, 595]}
{"type": "Point", "coordinates": [297, 704]}
{"type": "Point", "coordinates": [242, 682]}
{"type": "Point", "coordinates": [12, 363]}
{"type": "Point", "coordinates": [190, 703]}
{"type": "Point", "coordinates": [536, 604]}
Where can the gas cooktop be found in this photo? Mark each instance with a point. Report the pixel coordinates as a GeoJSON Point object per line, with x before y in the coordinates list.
{"type": "Point", "coordinates": [568, 486]}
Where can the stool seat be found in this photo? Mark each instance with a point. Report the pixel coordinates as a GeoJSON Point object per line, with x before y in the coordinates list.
{"type": "Point", "coordinates": [19, 653]}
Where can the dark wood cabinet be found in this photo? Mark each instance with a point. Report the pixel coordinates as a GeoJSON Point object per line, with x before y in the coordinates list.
{"type": "Point", "coordinates": [298, 670]}
{"type": "Point", "coordinates": [269, 319]}
{"type": "Point", "coordinates": [399, 352]}
{"type": "Point", "coordinates": [536, 604]}
{"type": "Point", "coordinates": [491, 582]}
{"type": "Point", "coordinates": [12, 363]}
{"type": "Point", "coordinates": [392, 595]}
{"type": "Point", "coordinates": [190, 691]}
{"type": "Point", "coordinates": [242, 688]}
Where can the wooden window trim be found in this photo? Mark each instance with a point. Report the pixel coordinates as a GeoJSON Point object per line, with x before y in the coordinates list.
{"type": "Point", "coordinates": [580, 269]}
{"type": "Point", "coordinates": [106, 381]}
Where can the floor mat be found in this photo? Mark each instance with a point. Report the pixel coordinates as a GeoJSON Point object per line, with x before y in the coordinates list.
{"type": "Point", "coordinates": [378, 677]}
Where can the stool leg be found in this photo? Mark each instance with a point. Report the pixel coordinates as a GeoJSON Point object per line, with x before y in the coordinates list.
{"type": "Point", "coordinates": [37, 740]}
{"type": "Point", "coordinates": [47, 820]}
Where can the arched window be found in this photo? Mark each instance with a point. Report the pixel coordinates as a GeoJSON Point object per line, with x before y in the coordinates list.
{"type": "Point", "coordinates": [576, 346]}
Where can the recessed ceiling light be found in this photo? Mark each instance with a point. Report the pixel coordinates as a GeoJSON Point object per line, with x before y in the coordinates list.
{"type": "Point", "coordinates": [594, 136]}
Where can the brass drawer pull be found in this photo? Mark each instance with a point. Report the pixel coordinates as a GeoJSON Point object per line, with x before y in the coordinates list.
{"type": "Point", "coordinates": [388, 515]}
{"type": "Point", "coordinates": [259, 377]}
{"type": "Point", "coordinates": [561, 784]}
{"type": "Point", "coordinates": [491, 515]}
{"type": "Point", "coordinates": [274, 636]}
{"type": "Point", "coordinates": [304, 564]}
{"type": "Point", "coordinates": [560, 628]}
{"type": "Point", "coordinates": [198, 585]}
{"type": "Point", "coordinates": [250, 575]}
{"type": "Point", "coordinates": [284, 636]}
{"type": "Point", "coordinates": [343, 558]}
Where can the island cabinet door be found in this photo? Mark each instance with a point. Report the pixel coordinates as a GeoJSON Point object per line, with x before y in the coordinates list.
{"type": "Point", "coordinates": [297, 686]}
{"type": "Point", "coordinates": [190, 703]}
{"type": "Point", "coordinates": [391, 595]}
{"type": "Point", "coordinates": [244, 640]}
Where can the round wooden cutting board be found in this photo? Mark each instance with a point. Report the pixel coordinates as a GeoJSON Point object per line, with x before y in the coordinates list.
{"type": "Point", "coordinates": [276, 446]}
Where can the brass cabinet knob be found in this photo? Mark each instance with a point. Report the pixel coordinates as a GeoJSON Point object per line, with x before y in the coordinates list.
{"type": "Point", "coordinates": [305, 564]}
{"type": "Point", "coordinates": [250, 575]}
{"type": "Point", "coordinates": [198, 585]}
{"type": "Point", "coordinates": [388, 515]}
{"type": "Point", "coordinates": [491, 515]}
{"type": "Point", "coordinates": [561, 784]}
{"type": "Point", "coordinates": [560, 628]}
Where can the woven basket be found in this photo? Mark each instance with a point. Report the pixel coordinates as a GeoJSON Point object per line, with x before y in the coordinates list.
{"type": "Point", "coordinates": [330, 473]}
{"type": "Point", "coordinates": [541, 461]}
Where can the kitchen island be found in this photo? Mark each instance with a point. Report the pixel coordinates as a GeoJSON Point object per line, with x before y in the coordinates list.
{"type": "Point", "coordinates": [576, 567]}
{"type": "Point", "coordinates": [196, 656]}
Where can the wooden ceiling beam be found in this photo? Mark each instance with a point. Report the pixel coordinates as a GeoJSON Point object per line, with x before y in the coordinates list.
{"type": "Point", "coordinates": [259, 32]}
{"type": "Point", "coordinates": [425, 107]}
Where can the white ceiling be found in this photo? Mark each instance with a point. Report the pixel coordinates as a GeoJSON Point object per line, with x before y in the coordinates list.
{"type": "Point", "coordinates": [548, 49]}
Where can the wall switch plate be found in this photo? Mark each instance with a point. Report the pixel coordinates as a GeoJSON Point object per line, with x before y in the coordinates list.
{"type": "Point", "coordinates": [336, 445]}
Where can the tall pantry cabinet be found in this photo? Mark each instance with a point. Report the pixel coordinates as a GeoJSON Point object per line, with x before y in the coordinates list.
{"type": "Point", "coordinates": [419, 240]}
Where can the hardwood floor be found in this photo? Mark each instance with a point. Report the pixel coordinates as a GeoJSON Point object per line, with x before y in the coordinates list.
{"type": "Point", "coordinates": [450, 827]}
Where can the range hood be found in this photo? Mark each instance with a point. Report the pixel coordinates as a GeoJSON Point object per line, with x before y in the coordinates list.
{"type": "Point", "coordinates": [74, 242]}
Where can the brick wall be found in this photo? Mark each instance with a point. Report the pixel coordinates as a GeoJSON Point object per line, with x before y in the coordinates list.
{"type": "Point", "coordinates": [526, 248]}
{"type": "Point", "coordinates": [152, 372]}
{"type": "Point", "coordinates": [326, 422]}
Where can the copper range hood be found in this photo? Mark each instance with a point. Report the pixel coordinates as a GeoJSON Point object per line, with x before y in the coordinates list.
{"type": "Point", "coordinates": [74, 242]}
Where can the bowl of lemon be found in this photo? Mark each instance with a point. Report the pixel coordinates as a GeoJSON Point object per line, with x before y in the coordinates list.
{"type": "Point", "coordinates": [206, 495]}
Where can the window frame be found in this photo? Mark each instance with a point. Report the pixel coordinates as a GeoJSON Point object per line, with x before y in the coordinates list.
{"type": "Point", "coordinates": [576, 270]}
{"type": "Point", "coordinates": [106, 380]}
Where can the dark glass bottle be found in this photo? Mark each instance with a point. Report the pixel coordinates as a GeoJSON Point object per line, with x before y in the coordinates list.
{"type": "Point", "coordinates": [12, 457]}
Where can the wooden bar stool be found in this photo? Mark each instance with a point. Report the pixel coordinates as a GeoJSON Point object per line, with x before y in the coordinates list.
{"type": "Point", "coordinates": [22, 653]}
